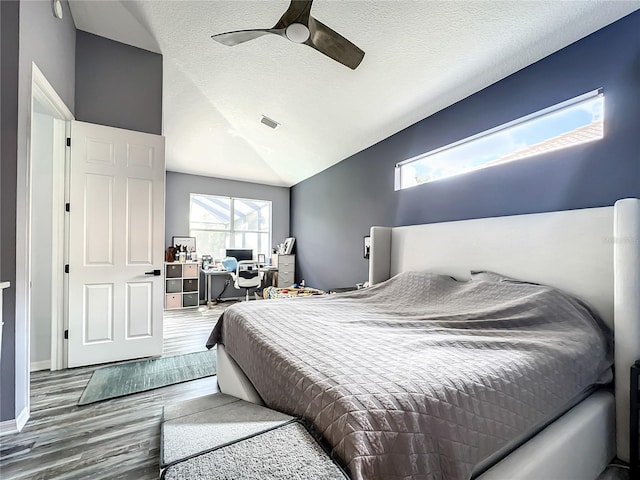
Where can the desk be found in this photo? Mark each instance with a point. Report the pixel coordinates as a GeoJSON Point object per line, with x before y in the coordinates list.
{"type": "Point", "coordinates": [208, 273]}
{"type": "Point", "coordinates": [269, 279]}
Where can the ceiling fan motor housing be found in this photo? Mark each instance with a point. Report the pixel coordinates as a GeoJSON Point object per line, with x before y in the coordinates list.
{"type": "Point", "coordinates": [297, 32]}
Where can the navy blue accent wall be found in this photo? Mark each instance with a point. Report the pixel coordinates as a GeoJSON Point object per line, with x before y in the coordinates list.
{"type": "Point", "coordinates": [332, 211]}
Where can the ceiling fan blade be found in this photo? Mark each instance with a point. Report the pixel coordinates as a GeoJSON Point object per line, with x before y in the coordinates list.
{"type": "Point", "coordinates": [298, 12]}
{"type": "Point", "coordinates": [333, 45]}
{"type": "Point", "coordinates": [241, 36]}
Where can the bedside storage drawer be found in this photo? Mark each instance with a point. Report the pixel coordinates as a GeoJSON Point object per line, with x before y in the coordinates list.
{"type": "Point", "coordinates": [172, 301]}
{"type": "Point", "coordinates": [173, 271]}
{"type": "Point", "coordinates": [190, 285]}
{"type": "Point", "coordinates": [190, 271]}
{"type": "Point", "coordinates": [285, 262]}
{"type": "Point", "coordinates": [174, 286]}
{"type": "Point", "coordinates": [285, 279]}
{"type": "Point", "coordinates": [190, 300]}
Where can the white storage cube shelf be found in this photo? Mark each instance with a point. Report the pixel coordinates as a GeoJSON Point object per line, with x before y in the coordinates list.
{"type": "Point", "coordinates": [181, 285]}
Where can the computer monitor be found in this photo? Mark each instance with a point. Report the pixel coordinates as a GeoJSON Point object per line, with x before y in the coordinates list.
{"type": "Point", "coordinates": [240, 253]}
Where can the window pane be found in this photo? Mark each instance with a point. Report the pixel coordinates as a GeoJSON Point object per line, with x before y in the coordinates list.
{"type": "Point", "coordinates": [238, 240]}
{"type": "Point", "coordinates": [210, 212]}
{"type": "Point", "coordinates": [247, 240]}
{"type": "Point", "coordinates": [552, 129]}
{"type": "Point", "coordinates": [211, 243]}
{"type": "Point", "coordinates": [258, 242]}
{"type": "Point", "coordinates": [264, 244]}
{"type": "Point", "coordinates": [251, 215]}
{"type": "Point", "coordinates": [210, 223]}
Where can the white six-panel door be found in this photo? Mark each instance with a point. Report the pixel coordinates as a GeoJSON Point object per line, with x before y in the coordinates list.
{"type": "Point", "coordinates": [116, 239]}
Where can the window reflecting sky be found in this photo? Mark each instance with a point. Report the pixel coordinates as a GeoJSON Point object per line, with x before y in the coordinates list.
{"type": "Point", "coordinates": [568, 126]}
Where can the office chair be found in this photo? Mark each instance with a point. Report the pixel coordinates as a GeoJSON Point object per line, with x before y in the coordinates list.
{"type": "Point", "coordinates": [247, 275]}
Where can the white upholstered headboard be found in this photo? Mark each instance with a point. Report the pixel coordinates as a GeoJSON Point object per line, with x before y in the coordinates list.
{"type": "Point", "coordinates": [592, 253]}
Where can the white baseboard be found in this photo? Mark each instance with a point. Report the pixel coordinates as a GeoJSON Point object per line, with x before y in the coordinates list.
{"type": "Point", "coordinates": [14, 425]}
{"type": "Point", "coordinates": [21, 421]}
{"type": "Point", "coordinates": [41, 365]}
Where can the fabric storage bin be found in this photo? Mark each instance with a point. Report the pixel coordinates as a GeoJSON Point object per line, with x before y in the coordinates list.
{"type": "Point", "coordinates": [173, 271]}
{"type": "Point", "coordinates": [190, 300]}
{"type": "Point", "coordinates": [190, 285]}
{"type": "Point", "coordinates": [174, 286]}
{"type": "Point", "coordinates": [173, 301]}
{"type": "Point", "coordinates": [190, 270]}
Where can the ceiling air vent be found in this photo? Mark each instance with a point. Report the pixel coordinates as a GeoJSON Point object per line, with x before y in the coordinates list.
{"type": "Point", "coordinates": [268, 122]}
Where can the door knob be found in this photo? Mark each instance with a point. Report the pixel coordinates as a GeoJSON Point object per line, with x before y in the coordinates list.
{"type": "Point", "coordinates": [155, 273]}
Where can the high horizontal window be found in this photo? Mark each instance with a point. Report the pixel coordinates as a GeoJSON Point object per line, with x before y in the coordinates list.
{"type": "Point", "coordinates": [564, 125]}
{"type": "Point", "coordinates": [219, 223]}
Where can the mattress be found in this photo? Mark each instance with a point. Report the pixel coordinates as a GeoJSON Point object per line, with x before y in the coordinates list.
{"type": "Point", "coordinates": [421, 376]}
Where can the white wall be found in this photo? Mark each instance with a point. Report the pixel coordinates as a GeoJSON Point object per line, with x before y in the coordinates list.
{"type": "Point", "coordinates": [41, 241]}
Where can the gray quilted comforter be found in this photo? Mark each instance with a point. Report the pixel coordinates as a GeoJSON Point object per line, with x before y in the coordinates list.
{"type": "Point", "coordinates": [421, 376]}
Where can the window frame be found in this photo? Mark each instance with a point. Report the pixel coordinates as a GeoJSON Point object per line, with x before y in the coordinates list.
{"type": "Point", "coordinates": [231, 231]}
{"type": "Point", "coordinates": [599, 92]}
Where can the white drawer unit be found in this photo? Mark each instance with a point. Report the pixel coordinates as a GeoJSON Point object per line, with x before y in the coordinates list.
{"type": "Point", "coordinates": [181, 285]}
{"type": "Point", "coordinates": [286, 269]}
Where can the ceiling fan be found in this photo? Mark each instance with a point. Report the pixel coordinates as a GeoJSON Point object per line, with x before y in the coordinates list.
{"type": "Point", "coordinates": [298, 26]}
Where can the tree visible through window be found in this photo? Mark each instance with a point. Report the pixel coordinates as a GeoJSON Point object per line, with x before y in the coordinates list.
{"type": "Point", "coordinates": [569, 123]}
{"type": "Point", "coordinates": [219, 223]}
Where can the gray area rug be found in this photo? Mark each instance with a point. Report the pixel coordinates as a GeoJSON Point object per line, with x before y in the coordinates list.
{"type": "Point", "coordinates": [202, 424]}
{"type": "Point", "coordinates": [134, 377]}
{"type": "Point", "coordinates": [283, 453]}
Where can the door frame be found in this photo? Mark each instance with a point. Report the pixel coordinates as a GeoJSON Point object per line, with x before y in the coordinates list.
{"type": "Point", "coordinates": [43, 92]}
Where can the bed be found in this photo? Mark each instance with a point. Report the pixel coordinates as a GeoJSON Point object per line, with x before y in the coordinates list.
{"type": "Point", "coordinates": [590, 253]}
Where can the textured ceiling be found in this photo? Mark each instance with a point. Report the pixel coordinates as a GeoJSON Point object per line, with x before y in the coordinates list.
{"type": "Point", "coordinates": [421, 56]}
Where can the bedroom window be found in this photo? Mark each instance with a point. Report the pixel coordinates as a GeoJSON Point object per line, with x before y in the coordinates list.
{"type": "Point", "coordinates": [575, 121]}
{"type": "Point", "coordinates": [219, 223]}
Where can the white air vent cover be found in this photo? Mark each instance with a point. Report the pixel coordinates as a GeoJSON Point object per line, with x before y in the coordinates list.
{"type": "Point", "coordinates": [268, 122]}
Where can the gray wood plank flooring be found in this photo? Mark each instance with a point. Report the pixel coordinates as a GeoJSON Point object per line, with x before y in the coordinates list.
{"type": "Point", "coordinates": [115, 439]}
{"type": "Point", "coordinates": [198, 322]}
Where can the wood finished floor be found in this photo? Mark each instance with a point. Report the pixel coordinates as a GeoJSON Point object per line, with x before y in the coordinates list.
{"type": "Point", "coordinates": [115, 439]}
{"type": "Point", "coordinates": [197, 322]}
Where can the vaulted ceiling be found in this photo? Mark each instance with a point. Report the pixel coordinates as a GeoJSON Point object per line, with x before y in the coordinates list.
{"type": "Point", "coordinates": [420, 57]}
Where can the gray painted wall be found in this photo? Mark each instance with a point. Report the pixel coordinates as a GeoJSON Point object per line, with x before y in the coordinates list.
{"type": "Point", "coordinates": [181, 185]}
{"type": "Point", "coordinates": [50, 43]}
{"type": "Point", "coordinates": [9, 40]}
{"type": "Point", "coordinates": [118, 85]}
